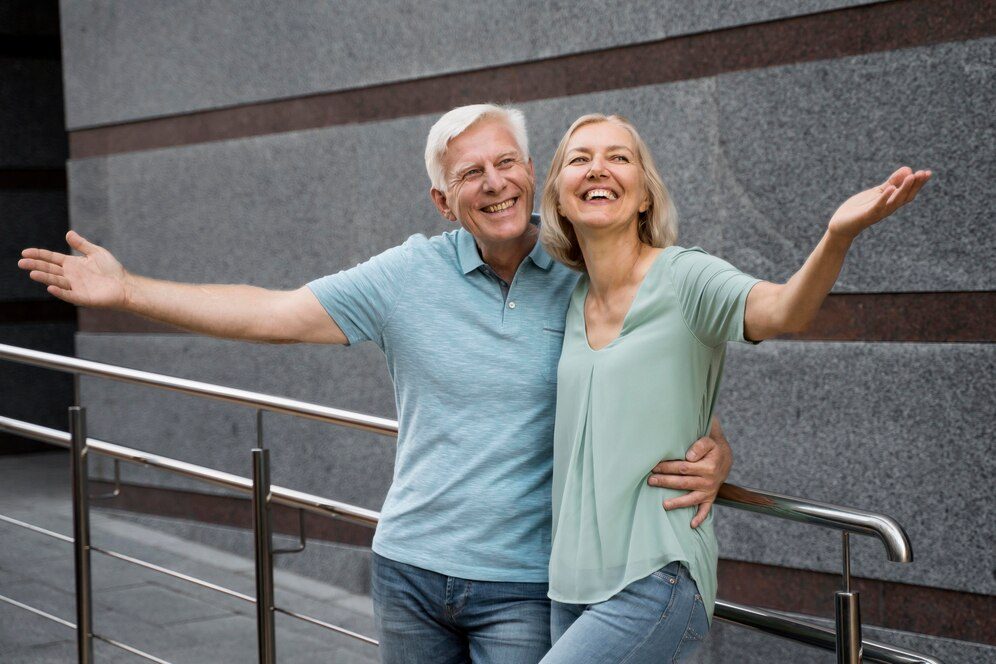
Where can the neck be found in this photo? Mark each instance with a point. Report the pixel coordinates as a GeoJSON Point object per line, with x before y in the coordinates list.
{"type": "Point", "coordinates": [505, 257]}
{"type": "Point", "coordinates": [612, 258]}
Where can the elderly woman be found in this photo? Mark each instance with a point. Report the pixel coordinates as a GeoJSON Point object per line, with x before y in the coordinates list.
{"type": "Point", "coordinates": [642, 358]}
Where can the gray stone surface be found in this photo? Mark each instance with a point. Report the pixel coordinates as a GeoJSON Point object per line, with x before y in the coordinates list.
{"type": "Point", "coordinates": [282, 209]}
{"type": "Point", "coordinates": [903, 429]}
{"type": "Point", "coordinates": [151, 58]}
{"type": "Point", "coordinates": [28, 219]}
{"type": "Point", "coordinates": [31, 120]}
{"type": "Point", "coordinates": [160, 615]}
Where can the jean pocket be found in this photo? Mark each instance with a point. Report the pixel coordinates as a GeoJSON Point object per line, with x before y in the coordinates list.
{"type": "Point", "coordinates": [553, 339]}
{"type": "Point", "coordinates": [695, 632]}
{"type": "Point", "coordinates": [669, 573]}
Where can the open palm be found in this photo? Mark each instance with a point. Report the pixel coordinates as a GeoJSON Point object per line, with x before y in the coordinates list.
{"type": "Point", "coordinates": [873, 205]}
{"type": "Point", "coordinates": [95, 279]}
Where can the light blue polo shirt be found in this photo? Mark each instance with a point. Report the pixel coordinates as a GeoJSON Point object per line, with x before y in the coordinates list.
{"type": "Point", "coordinates": [475, 385]}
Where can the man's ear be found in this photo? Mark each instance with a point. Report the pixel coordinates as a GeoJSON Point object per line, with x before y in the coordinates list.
{"type": "Point", "coordinates": [439, 199]}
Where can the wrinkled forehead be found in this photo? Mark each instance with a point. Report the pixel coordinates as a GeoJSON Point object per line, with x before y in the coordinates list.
{"type": "Point", "coordinates": [487, 140]}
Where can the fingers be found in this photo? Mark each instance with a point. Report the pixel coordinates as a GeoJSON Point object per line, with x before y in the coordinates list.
{"type": "Point", "coordinates": [705, 466]}
{"type": "Point", "coordinates": [690, 499]}
{"type": "Point", "coordinates": [50, 279]}
{"type": "Point", "coordinates": [80, 243]}
{"type": "Point", "coordinates": [61, 293]}
{"type": "Point", "coordinates": [921, 179]}
{"type": "Point", "coordinates": [31, 264]}
{"type": "Point", "coordinates": [899, 176]}
{"type": "Point", "coordinates": [700, 448]}
{"type": "Point", "coordinates": [701, 514]}
{"type": "Point", "coordinates": [680, 482]}
{"type": "Point", "coordinates": [44, 255]}
{"type": "Point", "coordinates": [898, 197]}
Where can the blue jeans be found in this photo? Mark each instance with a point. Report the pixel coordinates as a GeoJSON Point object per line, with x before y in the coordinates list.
{"type": "Point", "coordinates": [659, 618]}
{"type": "Point", "coordinates": [425, 617]}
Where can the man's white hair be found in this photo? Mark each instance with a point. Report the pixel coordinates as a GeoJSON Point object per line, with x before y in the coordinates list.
{"type": "Point", "coordinates": [459, 120]}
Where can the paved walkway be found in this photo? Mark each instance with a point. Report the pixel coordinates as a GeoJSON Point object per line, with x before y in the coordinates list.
{"type": "Point", "coordinates": [168, 618]}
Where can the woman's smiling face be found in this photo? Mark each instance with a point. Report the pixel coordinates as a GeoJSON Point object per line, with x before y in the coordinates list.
{"type": "Point", "coordinates": [600, 183]}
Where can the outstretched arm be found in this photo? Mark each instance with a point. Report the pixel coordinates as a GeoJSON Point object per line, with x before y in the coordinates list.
{"type": "Point", "coordinates": [774, 309]}
{"type": "Point", "coordinates": [96, 279]}
{"type": "Point", "coordinates": [701, 473]}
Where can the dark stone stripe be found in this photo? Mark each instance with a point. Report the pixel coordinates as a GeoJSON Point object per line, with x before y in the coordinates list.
{"type": "Point", "coordinates": [917, 317]}
{"type": "Point", "coordinates": [933, 611]}
{"type": "Point", "coordinates": [924, 317]}
{"type": "Point", "coordinates": [106, 321]}
{"type": "Point", "coordinates": [227, 510]}
{"type": "Point", "coordinates": [949, 614]}
{"type": "Point", "coordinates": [852, 31]}
{"type": "Point", "coordinates": [33, 47]}
{"type": "Point", "coordinates": [37, 311]}
{"type": "Point", "coordinates": [53, 178]}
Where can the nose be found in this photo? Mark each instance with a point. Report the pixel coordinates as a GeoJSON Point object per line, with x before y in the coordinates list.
{"type": "Point", "coordinates": [596, 168]}
{"type": "Point", "coordinates": [494, 181]}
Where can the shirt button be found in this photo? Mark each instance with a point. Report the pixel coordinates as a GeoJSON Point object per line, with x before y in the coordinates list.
{"type": "Point", "coordinates": [511, 305]}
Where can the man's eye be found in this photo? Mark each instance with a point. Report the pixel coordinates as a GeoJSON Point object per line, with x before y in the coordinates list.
{"type": "Point", "coordinates": [506, 162]}
{"type": "Point", "coordinates": [471, 173]}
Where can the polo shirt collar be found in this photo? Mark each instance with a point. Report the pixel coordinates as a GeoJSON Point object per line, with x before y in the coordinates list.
{"type": "Point", "coordinates": [467, 253]}
{"type": "Point", "coordinates": [470, 258]}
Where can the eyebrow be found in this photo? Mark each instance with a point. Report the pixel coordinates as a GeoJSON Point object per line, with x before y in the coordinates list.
{"type": "Point", "coordinates": [611, 148]}
{"type": "Point", "coordinates": [460, 168]}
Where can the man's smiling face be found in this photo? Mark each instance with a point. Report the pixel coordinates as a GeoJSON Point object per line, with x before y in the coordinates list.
{"type": "Point", "coordinates": [490, 183]}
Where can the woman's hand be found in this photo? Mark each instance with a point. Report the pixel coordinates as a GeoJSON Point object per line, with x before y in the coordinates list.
{"type": "Point", "coordinates": [873, 205]}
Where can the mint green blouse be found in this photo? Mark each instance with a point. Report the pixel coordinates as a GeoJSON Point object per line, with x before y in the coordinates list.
{"type": "Point", "coordinates": [646, 396]}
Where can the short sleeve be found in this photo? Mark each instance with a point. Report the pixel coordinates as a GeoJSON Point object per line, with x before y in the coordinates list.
{"type": "Point", "coordinates": [361, 299]}
{"type": "Point", "coordinates": [712, 295]}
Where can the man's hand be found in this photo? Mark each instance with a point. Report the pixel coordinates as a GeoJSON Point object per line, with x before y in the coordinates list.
{"type": "Point", "coordinates": [95, 279]}
{"type": "Point", "coordinates": [704, 469]}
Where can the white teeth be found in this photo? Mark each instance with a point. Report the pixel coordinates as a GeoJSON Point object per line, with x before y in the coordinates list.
{"type": "Point", "coordinates": [600, 193]}
{"type": "Point", "coordinates": [498, 207]}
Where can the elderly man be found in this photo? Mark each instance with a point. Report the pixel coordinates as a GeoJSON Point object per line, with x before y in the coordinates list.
{"type": "Point", "coordinates": [471, 322]}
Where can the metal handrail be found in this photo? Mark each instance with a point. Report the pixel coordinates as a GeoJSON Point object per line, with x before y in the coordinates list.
{"type": "Point", "coordinates": [275, 404]}
{"type": "Point", "coordinates": [280, 495]}
{"type": "Point", "coordinates": [885, 528]}
{"type": "Point", "coordinates": [797, 629]}
{"type": "Point", "coordinates": [860, 522]}
{"type": "Point", "coordinates": [846, 639]}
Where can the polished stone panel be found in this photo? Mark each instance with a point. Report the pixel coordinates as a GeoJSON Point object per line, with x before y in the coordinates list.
{"type": "Point", "coordinates": [151, 58]}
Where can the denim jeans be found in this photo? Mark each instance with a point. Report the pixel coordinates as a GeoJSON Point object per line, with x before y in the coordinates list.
{"type": "Point", "coordinates": [425, 617]}
{"type": "Point", "coordinates": [659, 618]}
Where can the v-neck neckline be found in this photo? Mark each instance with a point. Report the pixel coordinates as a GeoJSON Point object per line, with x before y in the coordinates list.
{"type": "Point", "coordinates": [632, 305]}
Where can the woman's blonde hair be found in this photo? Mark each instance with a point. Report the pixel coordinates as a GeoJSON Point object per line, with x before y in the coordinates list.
{"type": "Point", "coordinates": [657, 227]}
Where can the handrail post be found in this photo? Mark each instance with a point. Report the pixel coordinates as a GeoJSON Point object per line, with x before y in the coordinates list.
{"type": "Point", "coordinates": [265, 627]}
{"type": "Point", "coordinates": [847, 614]}
{"type": "Point", "coordinates": [81, 534]}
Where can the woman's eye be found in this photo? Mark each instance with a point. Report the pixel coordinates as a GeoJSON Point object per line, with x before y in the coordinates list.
{"type": "Point", "coordinates": [577, 160]}
{"type": "Point", "coordinates": [620, 158]}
